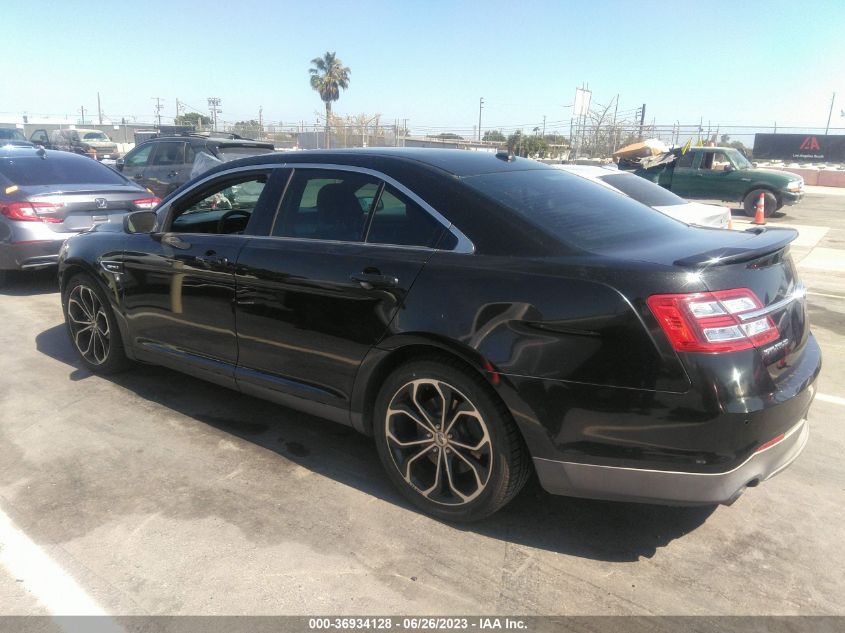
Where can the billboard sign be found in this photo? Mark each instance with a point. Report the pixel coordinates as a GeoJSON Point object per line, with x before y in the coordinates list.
{"type": "Point", "coordinates": [813, 148]}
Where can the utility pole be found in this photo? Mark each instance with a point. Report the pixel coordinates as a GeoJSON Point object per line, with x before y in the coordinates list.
{"type": "Point", "coordinates": [82, 114]}
{"type": "Point", "coordinates": [260, 121]}
{"type": "Point", "coordinates": [178, 112]}
{"type": "Point", "coordinates": [642, 120]}
{"type": "Point", "coordinates": [100, 111]}
{"type": "Point", "coordinates": [480, 105]}
{"type": "Point", "coordinates": [404, 131]}
{"type": "Point", "coordinates": [214, 108]}
{"type": "Point", "coordinates": [158, 109]}
{"type": "Point", "coordinates": [832, 99]}
{"type": "Point", "coordinates": [544, 126]}
{"type": "Point", "coordinates": [613, 137]}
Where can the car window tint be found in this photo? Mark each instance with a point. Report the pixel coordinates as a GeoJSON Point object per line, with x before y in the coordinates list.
{"type": "Point", "coordinates": [326, 205]}
{"type": "Point", "coordinates": [399, 220]}
{"type": "Point", "coordinates": [642, 190]}
{"type": "Point", "coordinates": [169, 154]}
{"type": "Point", "coordinates": [576, 211]}
{"type": "Point", "coordinates": [223, 207]}
{"type": "Point", "coordinates": [139, 158]}
{"type": "Point", "coordinates": [52, 170]}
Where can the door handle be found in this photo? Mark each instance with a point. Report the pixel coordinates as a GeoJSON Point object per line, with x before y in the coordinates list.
{"type": "Point", "coordinates": [370, 280]}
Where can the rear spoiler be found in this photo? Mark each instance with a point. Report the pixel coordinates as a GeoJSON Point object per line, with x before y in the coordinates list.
{"type": "Point", "coordinates": [765, 242]}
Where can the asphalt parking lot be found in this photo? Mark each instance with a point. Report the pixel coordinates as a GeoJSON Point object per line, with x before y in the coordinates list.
{"type": "Point", "coordinates": [155, 493]}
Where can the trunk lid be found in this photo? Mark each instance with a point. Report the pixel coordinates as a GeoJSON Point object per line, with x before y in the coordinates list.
{"type": "Point", "coordinates": [77, 211]}
{"type": "Point", "coordinates": [759, 260]}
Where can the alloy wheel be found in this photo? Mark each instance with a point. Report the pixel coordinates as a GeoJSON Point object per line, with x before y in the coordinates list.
{"type": "Point", "coordinates": [89, 325]}
{"type": "Point", "coordinates": [439, 442]}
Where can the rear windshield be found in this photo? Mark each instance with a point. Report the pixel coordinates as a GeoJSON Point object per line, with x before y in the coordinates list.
{"type": "Point", "coordinates": [227, 152]}
{"type": "Point", "coordinates": [578, 212]}
{"type": "Point", "coordinates": [642, 190]}
{"type": "Point", "coordinates": [11, 134]}
{"type": "Point", "coordinates": [33, 170]}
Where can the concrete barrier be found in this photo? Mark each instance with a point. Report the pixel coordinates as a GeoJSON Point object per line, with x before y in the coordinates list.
{"type": "Point", "coordinates": [830, 178]}
{"type": "Point", "coordinates": [810, 176]}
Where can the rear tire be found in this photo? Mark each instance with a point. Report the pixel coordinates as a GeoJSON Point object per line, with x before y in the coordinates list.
{"type": "Point", "coordinates": [91, 326]}
{"type": "Point", "coordinates": [749, 203]}
{"type": "Point", "coordinates": [447, 442]}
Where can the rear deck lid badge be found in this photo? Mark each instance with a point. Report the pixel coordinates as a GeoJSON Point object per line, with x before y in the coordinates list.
{"type": "Point", "coordinates": [101, 203]}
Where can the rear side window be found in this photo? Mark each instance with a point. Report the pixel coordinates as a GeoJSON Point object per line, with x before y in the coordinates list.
{"type": "Point", "coordinates": [642, 190]}
{"type": "Point", "coordinates": [400, 220]}
{"type": "Point", "coordinates": [326, 205]}
{"type": "Point", "coordinates": [169, 154]}
{"type": "Point", "coordinates": [233, 152]}
{"type": "Point", "coordinates": [576, 211]}
{"type": "Point", "coordinates": [58, 171]}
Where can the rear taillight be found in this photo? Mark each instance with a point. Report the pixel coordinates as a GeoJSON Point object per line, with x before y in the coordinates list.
{"type": "Point", "coordinates": [713, 321]}
{"type": "Point", "coordinates": [30, 211]}
{"type": "Point", "coordinates": [146, 203]}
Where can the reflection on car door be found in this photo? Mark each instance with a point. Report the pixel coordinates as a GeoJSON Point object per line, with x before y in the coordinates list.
{"type": "Point", "coordinates": [180, 283]}
{"type": "Point", "coordinates": [313, 297]}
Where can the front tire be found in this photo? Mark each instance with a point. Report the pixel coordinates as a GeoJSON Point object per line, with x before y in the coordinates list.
{"type": "Point", "coordinates": [91, 326]}
{"type": "Point", "coordinates": [447, 443]}
{"type": "Point", "coordinates": [749, 203]}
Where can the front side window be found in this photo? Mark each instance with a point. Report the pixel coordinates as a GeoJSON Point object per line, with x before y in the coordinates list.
{"type": "Point", "coordinates": [138, 158]}
{"type": "Point", "coordinates": [326, 205]}
{"type": "Point", "coordinates": [399, 220]}
{"type": "Point", "coordinates": [40, 136]}
{"type": "Point", "coordinates": [225, 206]}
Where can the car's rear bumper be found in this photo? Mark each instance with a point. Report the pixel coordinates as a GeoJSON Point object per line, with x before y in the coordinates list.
{"type": "Point", "coordinates": [671, 487]}
{"type": "Point", "coordinates": [30, 255]}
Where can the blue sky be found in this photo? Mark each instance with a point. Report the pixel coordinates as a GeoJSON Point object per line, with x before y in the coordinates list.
{"type": "Point", "coordinates": [740, 62]}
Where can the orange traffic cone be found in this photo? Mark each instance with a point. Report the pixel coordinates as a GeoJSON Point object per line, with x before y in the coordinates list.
{"type": "Point", "coordinates": [760, 211]}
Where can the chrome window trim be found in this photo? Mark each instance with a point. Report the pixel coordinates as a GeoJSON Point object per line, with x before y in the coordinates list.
{"type": "Point", "coordinates": [799, 293]}
{"type": "Point", "coordinates": [464, 244]}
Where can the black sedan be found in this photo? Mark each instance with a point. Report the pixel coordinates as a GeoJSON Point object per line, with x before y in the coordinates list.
{"type": "Point", "coordinates": [481, 316]}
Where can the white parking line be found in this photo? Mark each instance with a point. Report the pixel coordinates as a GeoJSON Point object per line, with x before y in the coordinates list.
{"type": "Point", "coordinates": [824, 294]}
{"type": "Point", "coordinates": [48, 583]}
{"type": "Point", "coordinates": [831, 399]}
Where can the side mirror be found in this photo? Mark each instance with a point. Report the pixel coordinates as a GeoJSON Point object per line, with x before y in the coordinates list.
{"type": "Point", "coordinates": [728, 168]}
{"type": "Point", "coordinates": [140, 222]}
{"type": "Point", "coordinates": [118, 164]}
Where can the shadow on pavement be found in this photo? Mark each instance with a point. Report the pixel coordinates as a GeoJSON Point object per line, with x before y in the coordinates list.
{"type": "Point", "coordinates": [21, 283]}
{"type": "Point", "coordinates": [599, 530]}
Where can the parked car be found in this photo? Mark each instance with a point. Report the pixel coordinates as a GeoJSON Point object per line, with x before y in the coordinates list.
{"type": "Point", "coordinates": [165, 163]}
{"type": "Point", "coordinates": [13, 136]}
{"type": "Point", "coordinates": [654, 196]}
{"type": "Point", "coordinates": [79, 141]}
{"type": "Point", "coordinates": [48, 196]}
{"type": "Point", "coordinates": [723, 173]}
{"type": "Point", "coordinates": [481, 316]}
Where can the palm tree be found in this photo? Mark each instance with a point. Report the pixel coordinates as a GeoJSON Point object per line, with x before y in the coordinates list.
{"type": "Point", "coordinates": [328, 76]}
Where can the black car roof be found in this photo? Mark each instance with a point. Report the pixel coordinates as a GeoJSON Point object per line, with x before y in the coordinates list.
{"type": "Point", "coordinates": [457, 162]}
